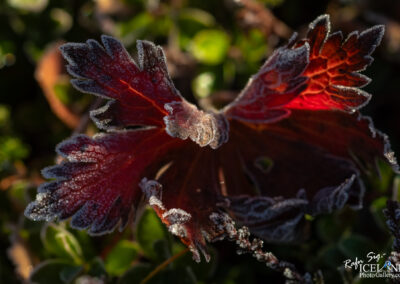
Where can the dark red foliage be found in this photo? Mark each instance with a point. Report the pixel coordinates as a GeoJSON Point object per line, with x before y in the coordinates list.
{"type": "Point", "coordinates": [319, 72]}
{"type": "Point", "coordinates": [334, 66]}
{"type": "Point", "coordinates": [291, 144]}
{"type": "Point", "coordinates": [139, 93]}
{"type": "Point", "coordinates": [98, 184]}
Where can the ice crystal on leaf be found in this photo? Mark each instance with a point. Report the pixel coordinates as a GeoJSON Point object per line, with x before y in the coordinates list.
{"type": "Point", "coordinates": [292, 143]}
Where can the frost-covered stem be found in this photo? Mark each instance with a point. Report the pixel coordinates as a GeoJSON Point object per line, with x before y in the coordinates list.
{"type": "Point", "coordinates": [255, 247]}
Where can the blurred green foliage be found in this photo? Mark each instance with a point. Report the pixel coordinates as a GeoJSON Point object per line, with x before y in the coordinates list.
{"type": "Point", "coordinates": [212, 52]}
{"type": "Point", "coordinates": [210, 46]}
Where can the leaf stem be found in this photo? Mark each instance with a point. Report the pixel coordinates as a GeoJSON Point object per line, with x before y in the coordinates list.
{"type": "Point", "coordinates": [163, 265]}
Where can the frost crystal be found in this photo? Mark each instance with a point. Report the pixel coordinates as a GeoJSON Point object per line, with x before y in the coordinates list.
{"type": "Point", "coordinates": [174, 218]}
{"type": "Point", "coordinates": [153, 192]}
{"type": "Point", "coordinates": [241, 237]}
{"type": "Point", "coordinates": [186, 121]}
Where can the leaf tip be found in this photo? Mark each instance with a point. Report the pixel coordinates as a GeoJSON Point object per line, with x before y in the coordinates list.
{"type": "Point", "coordinates": [321, 20]}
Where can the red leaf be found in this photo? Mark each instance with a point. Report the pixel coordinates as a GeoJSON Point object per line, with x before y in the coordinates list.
{"type": "Point", "coordinates": [98, 184]}
{"type": "Point", "coordinates": [279, 80]}
{"type": "Point", "coordinates": [317, 73]}
{"type": "Point", "coordinates": [312, 166]}
{"type": "Point", "coordinates": [139, 93]}
{"type": "Point", "coordinates": [288, 177]}
{"type": "Point", "coordinates": [351, 136]}
{"type": "Point", "coordinates": [188, 189]}
{"type": "Point", "coordinates": [332, 73]}
{"type": "Point", "coordinates": [265, 171]}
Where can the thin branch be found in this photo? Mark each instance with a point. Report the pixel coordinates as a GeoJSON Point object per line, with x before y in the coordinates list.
{"type": "Point", "coordinates": [163, 265]}
{"type": "Point", "coordinates": [254, 247]}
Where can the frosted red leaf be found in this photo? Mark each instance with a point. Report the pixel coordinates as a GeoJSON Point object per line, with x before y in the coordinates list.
{"type": "Point", "coordinates": [291, 144]}
{"type": "Point", "coordinates": [278, 82]}
{"type": "Point", "coordinates": [138, 91]}
{"type": "Point", "coordinates": [333, 78]}
{"type": "Point", "coordinates": [319, 72]}
{"type": "Point", "coordinates": [98, 182]}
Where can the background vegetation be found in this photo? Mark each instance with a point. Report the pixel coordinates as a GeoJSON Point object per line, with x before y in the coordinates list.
{"type": "Point", "coordinates": [212, 48]}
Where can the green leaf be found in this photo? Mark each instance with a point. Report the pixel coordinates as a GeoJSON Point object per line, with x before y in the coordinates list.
{"type": "Point", "coordinates": [97, 268]}
{"type": "Point", "coordinates": [58, 241]}
{"type": "Point", "coordinates": [197, 15]}
{"type": "Point", "coordinates": [17, 192]}
{"type": "Point", "coordinates": [376, 208]}
{"type": "Point", "coordinates": [62, 19]}
{"type": "Point", "coordinates": [203, 84]}
{"type": "Point", "coordinates": [134, 27]}
{"type": "Point", "coordinates": [121, 257]}
{"type": "Point", "coordinates": [55, 271]}
{"type": "Point", "coordinates": [210, 46]}
{"type": "Point", "coordinates": [396, 187]}
{"type": "Point", "coordinates": [355, 246]}
{"type": "Point", "coordinates": [191, 21]}
{"type": "Point", "coordinates": [203, 270]}
{"type": "Point", "coordinates": [330, 256]}
{"type": "Point", "coordinates": [383, 181]}
{"type": "Point", "coordinates": [28, 5]}
{"type": "Point", "coordinates": [7, 56]}
{"type": "Point", "coordinates": [143, 25]}
{"type": "Point", "coordinates": [162, 249]}
{"type": "Point", "coordinates": [61, 90]}
{"type": "Point", "coordinates": [11, 149]}
{"type": "Point", "coordinates": [229, 71]}
{"type": "Point", "coordinates": [272, 3]}
{"type": "Point", "coordinates": [178, 275]}
{"type": "Point", "coordinates": [4, 116]}
{"type": "Point", "coordinates": [328, 229]}
{"type": "Point", "coordinates": [69, 273]}
{"type": "Point", "coordinates": [149, 230]}
{"type": "Point", "coordinates": [85, 241]}
{"type": "Point", "coordinates": [252, 46]}
{"type": "Point", "coordinates": [136, 274]}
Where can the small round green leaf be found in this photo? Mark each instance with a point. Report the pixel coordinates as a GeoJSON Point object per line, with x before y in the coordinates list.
{"type": "Point", "coordinates": [203, 84]}
{"type": "Point", "coordinates": [121, 257]}
{"type": "Point", "coordinates": [97, 268]}
{"type": "Point", "coordinates": [355, 246]}
{"type": "Point", "coordinates": [210, 46]}
{"type": "Point", "coordinates": [58, 241]}
{"type": "Point", "coordinates": [149, 230]}
{"type": "Point", "coordinates": [136, 274]}
{"type": "Point", "coordinates": [55, 271]}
